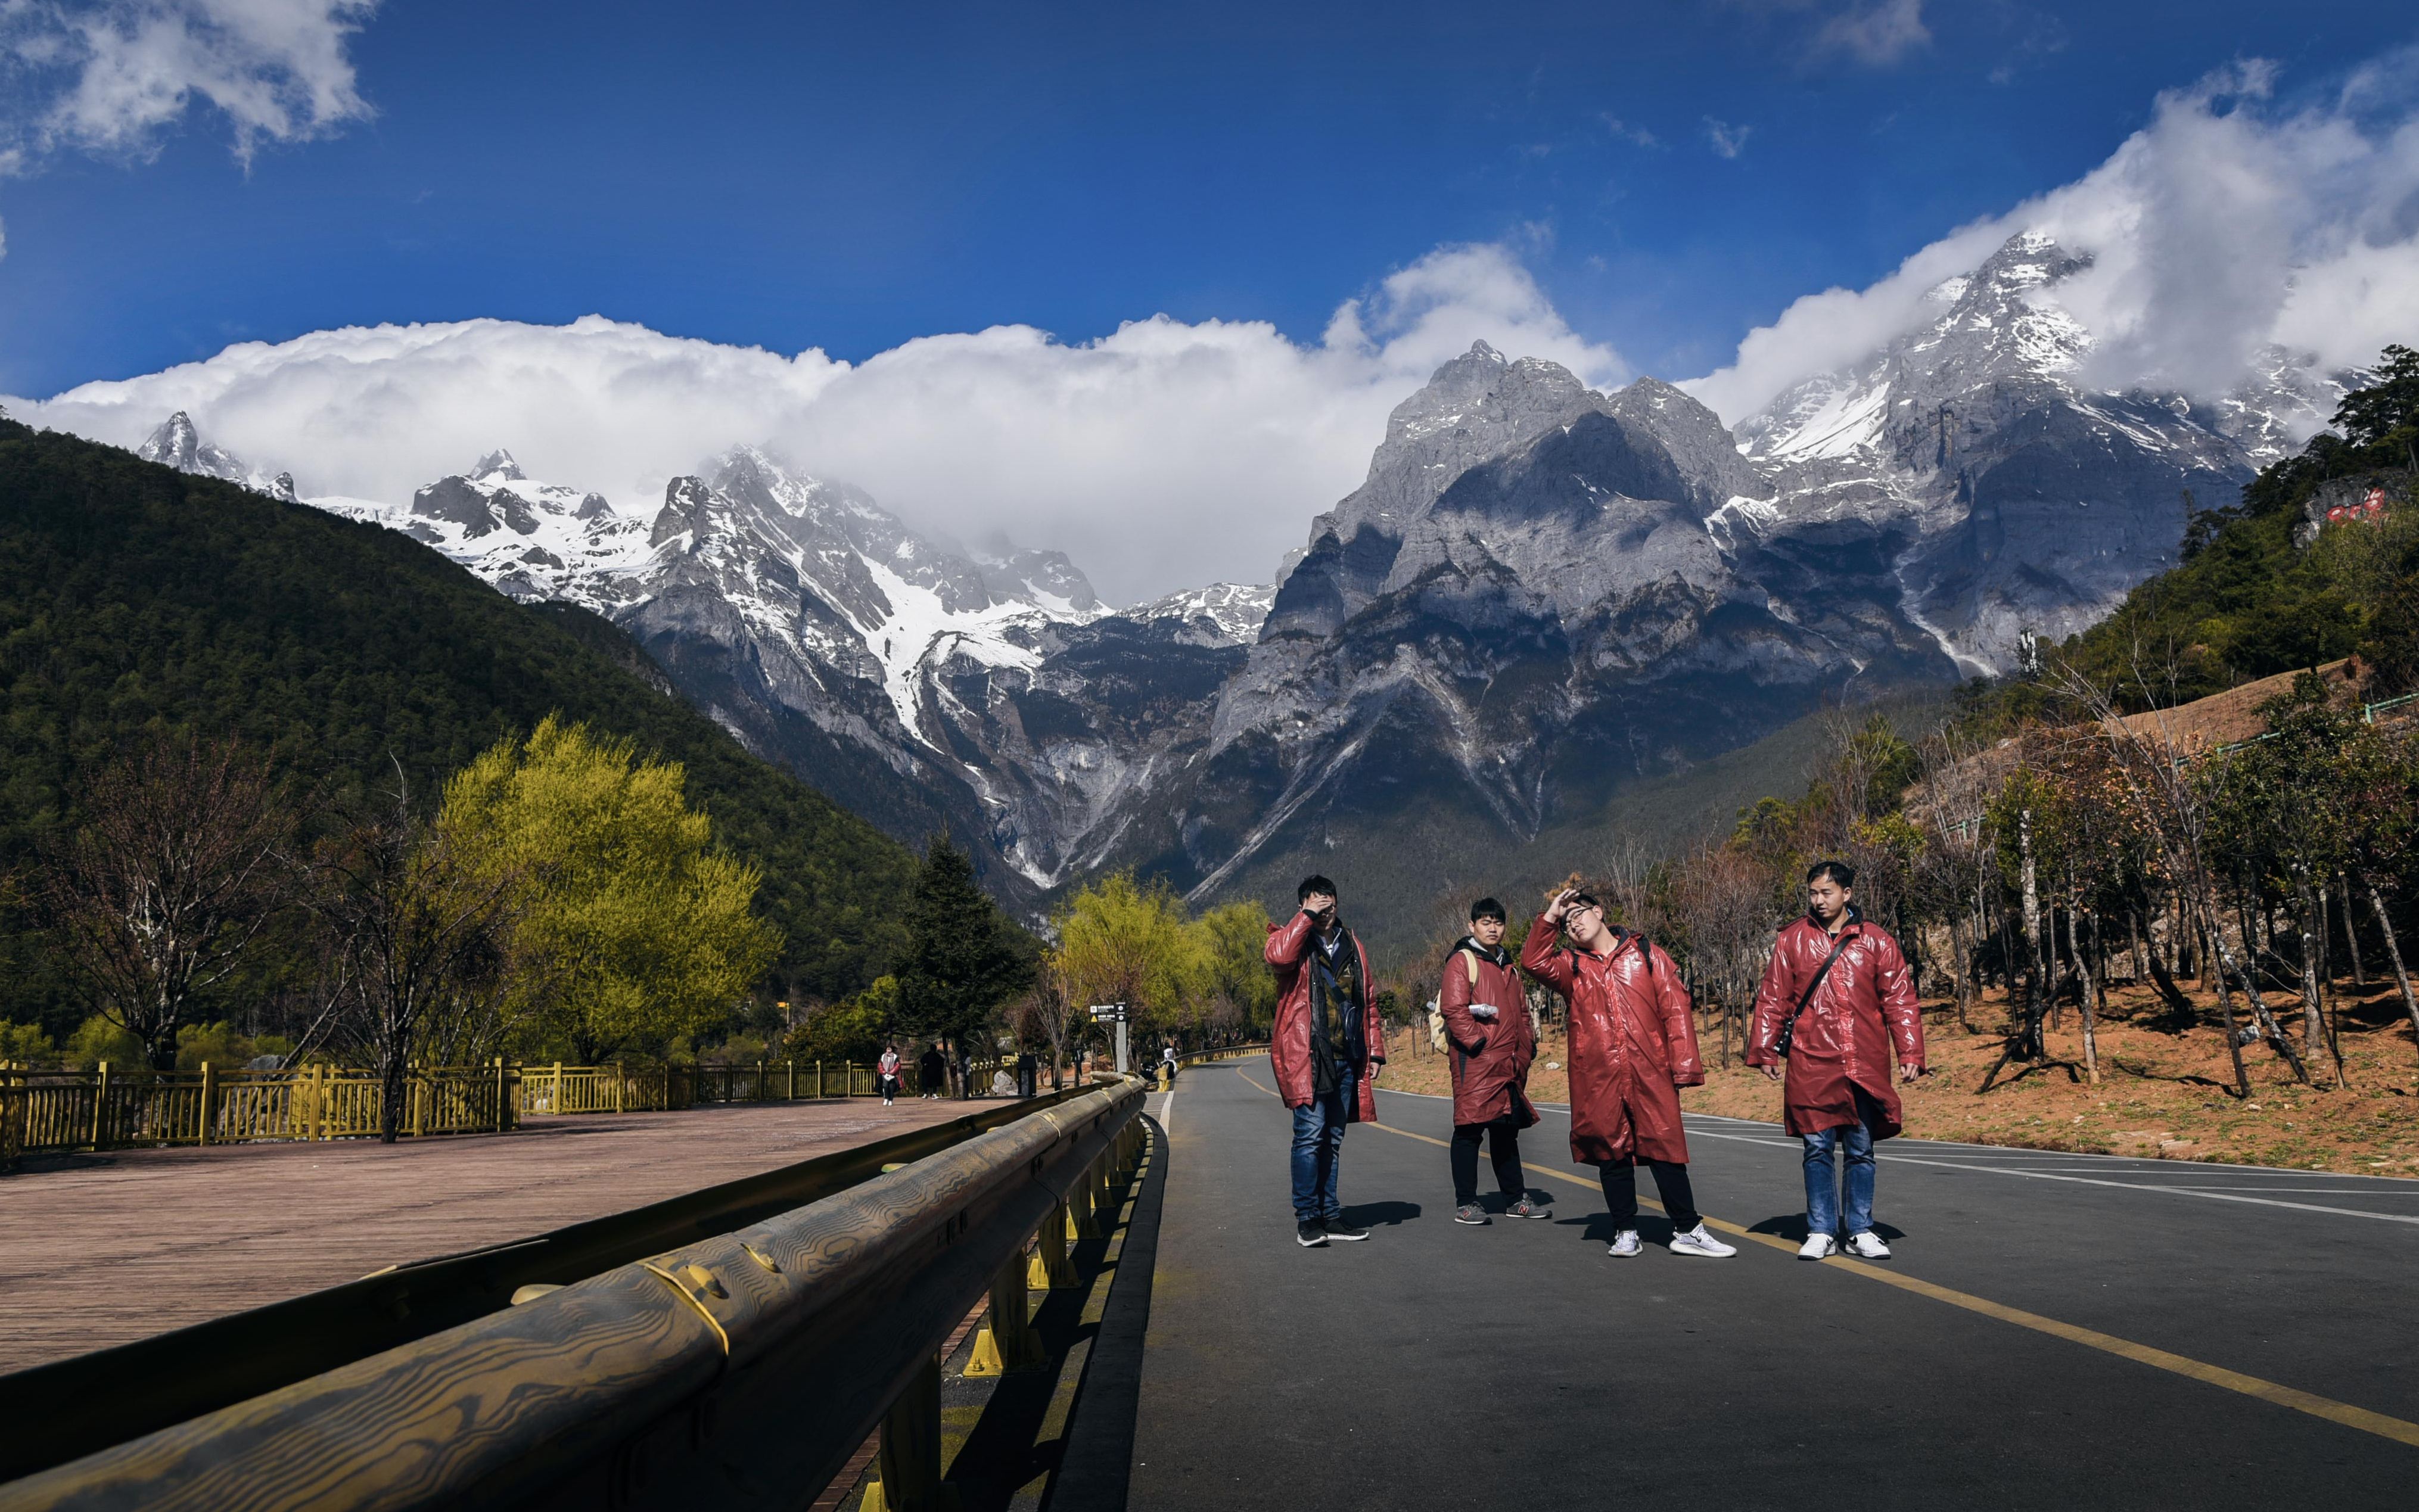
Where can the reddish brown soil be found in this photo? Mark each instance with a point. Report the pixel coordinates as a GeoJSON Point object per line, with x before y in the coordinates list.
{"type": "Point", "coordinates": [2160, 1094]}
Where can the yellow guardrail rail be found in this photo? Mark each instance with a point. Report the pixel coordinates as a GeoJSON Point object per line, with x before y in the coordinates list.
{"type": "Point", "coordinates": [1195, 1057]}
{"type": "Point", "coordinates": [739, 1371]}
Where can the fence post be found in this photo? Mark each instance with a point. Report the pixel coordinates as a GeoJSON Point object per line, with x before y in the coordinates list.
{"type": "Point", "coordinates": [554, 1093]}
{"type": "Point", "coordinates": [909, 1460]}
{"type": "Point", "coordinates": [1007, 1341]}
{"type": "Point", "coordinates": [617, 1087]}
{"type": "Point", "coordinates": [848, 1078]}
{"type": "Point", "coordinates": [500, 1094]}
{"type": "Point", "coordinates": [417, 1091]}
{"type": "Point", "coordinates": [819, 1080]}
{"type": "Point", "coordinates": [100, 1108]}
{"type": "Point", "coordinates": [789, 1083]}
{"type": "Point", "coordinates": [210, 1102]}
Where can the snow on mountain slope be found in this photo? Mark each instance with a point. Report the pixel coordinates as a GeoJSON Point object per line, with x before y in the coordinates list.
{"type": "Point", "coordinates": [175, 443]}
{"type": "Point", "coordinates": [1236, 609]}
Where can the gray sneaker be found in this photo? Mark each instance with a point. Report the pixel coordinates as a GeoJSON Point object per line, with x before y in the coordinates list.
{"type": "Point", "coordinates": [1472, 1214]}
{"type": "Point", "coordinates": [1527, 1209]}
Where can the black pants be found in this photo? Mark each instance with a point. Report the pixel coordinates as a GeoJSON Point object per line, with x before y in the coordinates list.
{"type": "Point", "coordinates": [1504, 1149]}
{"type": "Point", "coordinates": [1671, 1183]}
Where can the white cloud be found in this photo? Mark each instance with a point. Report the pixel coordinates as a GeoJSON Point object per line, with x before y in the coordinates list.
{"type": "Point", "coordinates": [1728, 141]}
{"type": "Point", "coordinates": [1160, 456]}
{"type": "Point", "coordinates": [2220, 227]}
{"type": "Point", "coordinates": [109, 75]}
{"type": "Point", "coordinates": [1878, 33]}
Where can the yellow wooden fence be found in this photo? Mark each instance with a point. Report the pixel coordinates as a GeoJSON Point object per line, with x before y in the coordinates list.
{"type": "Point", "coordinates": [113, 1107]}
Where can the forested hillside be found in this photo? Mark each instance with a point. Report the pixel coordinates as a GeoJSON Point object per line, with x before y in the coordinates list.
{"type": "Point", "coordinates": [2262, 589]}
{"type": "Point", "coordinates": [136, 600]}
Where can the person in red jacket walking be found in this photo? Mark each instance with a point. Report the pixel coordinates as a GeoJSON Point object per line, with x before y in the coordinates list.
{"type": "Point", "coordinates": [1837, 1006]}
{"type": "Point", "coordinates": [1489, 1045]}
{"type": "Point", "coordinates": [1326, 1047]}
{"type": "Point", "coordinates": [1633, 1047]}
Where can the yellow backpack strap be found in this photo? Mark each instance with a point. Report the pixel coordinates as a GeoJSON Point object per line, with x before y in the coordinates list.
{"type": "Point", "coordinates": [1469, 959]}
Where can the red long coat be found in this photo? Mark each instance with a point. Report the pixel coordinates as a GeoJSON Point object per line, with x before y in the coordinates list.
{"type": "Point", "coordinates": [1633, 1045]}
{"type": "Point", "coordinates": [1862, 1017]}
{"type": "Point", "coordinates": [1489, 1058]}
{"type": "Point", "coordinates": [1290, 1037]}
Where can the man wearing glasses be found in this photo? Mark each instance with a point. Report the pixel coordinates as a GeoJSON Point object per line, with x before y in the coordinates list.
{"type": "Point", "coordinates": [1633, 1047]}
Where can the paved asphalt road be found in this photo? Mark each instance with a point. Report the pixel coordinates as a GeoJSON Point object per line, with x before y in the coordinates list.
{"type": "Point", "coordinates": [1445, 1366]}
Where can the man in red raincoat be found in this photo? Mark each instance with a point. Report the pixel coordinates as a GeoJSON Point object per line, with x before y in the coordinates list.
{"type": "Point", "coordinates": [1633, 1047]}
{"type": "Point", "coordinates": [1488, 1045]}
{"type": "Point", "coordinates": [1839, 985]}
{"type": "Point", "coordinates": [1325, 1048]}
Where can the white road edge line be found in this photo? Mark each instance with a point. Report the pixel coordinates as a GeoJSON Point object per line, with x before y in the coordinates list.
{"type": "Point", "coordinates": [2044, 1176]}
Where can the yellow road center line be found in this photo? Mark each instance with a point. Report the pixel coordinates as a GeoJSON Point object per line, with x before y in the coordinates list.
{"type": "Point", "coordinates": [2234, 1380]}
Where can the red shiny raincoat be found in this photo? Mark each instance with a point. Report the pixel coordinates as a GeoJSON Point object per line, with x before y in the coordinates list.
{"type": "Point", "coordinates": [1861, 1018]}
{"type": "Point", "coordinates": [1633, 1045]}
{"type": "Point", "coordinates": [1489, 1058]}
{"type": "Point", "coordinates": [1290, 1038]}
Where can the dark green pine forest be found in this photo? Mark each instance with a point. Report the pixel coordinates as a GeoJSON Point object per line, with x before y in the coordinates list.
{"type": "Point", "coordinates": [137, 602]}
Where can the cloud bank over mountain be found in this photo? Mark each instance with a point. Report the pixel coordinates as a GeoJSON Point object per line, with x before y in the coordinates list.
{"type": "Point", "coordinates": [2219, 228]}
{"type": "Point", "coordinates": [1167, 454]}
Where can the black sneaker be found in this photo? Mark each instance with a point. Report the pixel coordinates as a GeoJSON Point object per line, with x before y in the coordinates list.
{"type": "Point", "coordinates": [1310, 1235]}
{"type": "Point", "coordinates": [1470, 1213]}
{"type": "Point", "coordinates": [1336, 1227]}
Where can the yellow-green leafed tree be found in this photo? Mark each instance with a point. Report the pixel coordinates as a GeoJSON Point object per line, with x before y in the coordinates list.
{"type": "Point", "coordinates": [1242, 992]}
{"type": "Point", "coordinates": [631, 928]}
{"type": "Point", "coordinates": [1121, 942]}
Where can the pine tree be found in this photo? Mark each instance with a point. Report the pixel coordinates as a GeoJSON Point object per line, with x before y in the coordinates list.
{"type": "Point", "coordinates": [964, 958]}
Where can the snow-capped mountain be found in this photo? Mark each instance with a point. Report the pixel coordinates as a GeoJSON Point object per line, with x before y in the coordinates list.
{"type": "Point", "coordinates": [1539, 592]}
{"type": "Point", "coordinates": [175, 443]}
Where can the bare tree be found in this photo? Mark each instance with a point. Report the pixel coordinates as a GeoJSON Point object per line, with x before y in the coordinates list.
{"type": "Point", "coordinates": [415, 936]}
{"type": "Point", "coordinates": [179, 864]}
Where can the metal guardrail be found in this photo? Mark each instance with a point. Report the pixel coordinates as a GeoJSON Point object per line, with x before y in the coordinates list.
{"type": "Point", "coordinates": [71, 1408]}
{"type": "Point", "coordinates": [740, 1371]}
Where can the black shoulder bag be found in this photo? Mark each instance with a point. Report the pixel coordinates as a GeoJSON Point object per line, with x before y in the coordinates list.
{"type": "Point", "coordinates": [1788, 1036]}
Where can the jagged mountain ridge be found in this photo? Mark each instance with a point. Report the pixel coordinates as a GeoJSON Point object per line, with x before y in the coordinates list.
{"type": "Point", "coordinates": [986, 692]}
{"type": "Point", "coordinates": [1539, 592]}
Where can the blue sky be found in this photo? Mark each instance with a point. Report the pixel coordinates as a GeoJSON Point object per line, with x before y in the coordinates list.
{"type": "Point", "coordinates": [852, 176]}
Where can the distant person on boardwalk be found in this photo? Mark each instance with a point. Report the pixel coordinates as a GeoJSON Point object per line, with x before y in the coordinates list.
{"type": "Point", "coordinates": [931, 1071]}
{"type": "Point", "coordinates": [1489, 1045]}
{"type": "Point", "coordinates": [886, 1073]}
{"type": "Point", "coordinates": [1167, 1058]}
{"type": "Point", "coordinates": [1633, 1047]}
{"type": "Point", "coordinates": [1837, 1008]}
{"type": "Point", "coordinates": [1325, 1049]}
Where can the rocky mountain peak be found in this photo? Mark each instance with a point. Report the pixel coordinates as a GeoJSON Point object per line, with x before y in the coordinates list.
{"type": "Point", "coordinates": [177, 442]}
{"type": "Point", "coordinates": [498, 467]}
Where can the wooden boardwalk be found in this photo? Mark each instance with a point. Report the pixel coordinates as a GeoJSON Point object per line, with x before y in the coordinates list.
{"type": "Point", "coordinates": [102, 1249]}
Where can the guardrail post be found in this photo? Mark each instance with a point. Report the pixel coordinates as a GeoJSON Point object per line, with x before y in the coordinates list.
{"type": "Point", "coordinates": [100, 1108]}
{"type": "Point", "coordinates": [209, 1104]}
{"type": "Point", "coordinates": [1050, 1271]}
{"type": "Point", "coordinates": [1007, 1341]}
{"type": "Point", "coordinates": [790, 1084]}
{"type": "Point", "coordinates": [819, 1079]}
{"type": "Point", "coordinates": [618, 1081]}
{"type": "Point", "coordinates": [1100, 1207]}
{"type": "Point", "coordinates": [909, 1459]}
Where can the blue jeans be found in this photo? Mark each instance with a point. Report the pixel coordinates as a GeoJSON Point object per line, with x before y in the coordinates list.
{"type": "Point", "coordinates": [1822, 1182]}
{"type": "Point", "coordinates": [1319, 1147]}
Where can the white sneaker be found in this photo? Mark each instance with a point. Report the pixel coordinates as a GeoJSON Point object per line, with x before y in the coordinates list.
{"type": "Point", "coordinates": [1697, 1242]}
{"type": "Point", "coordinates": [1818, 1247]}
{"type": "Point", "coordinates": [1867, 1246]}
{"type": "Point", "coordinates": [1623, 1245]}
